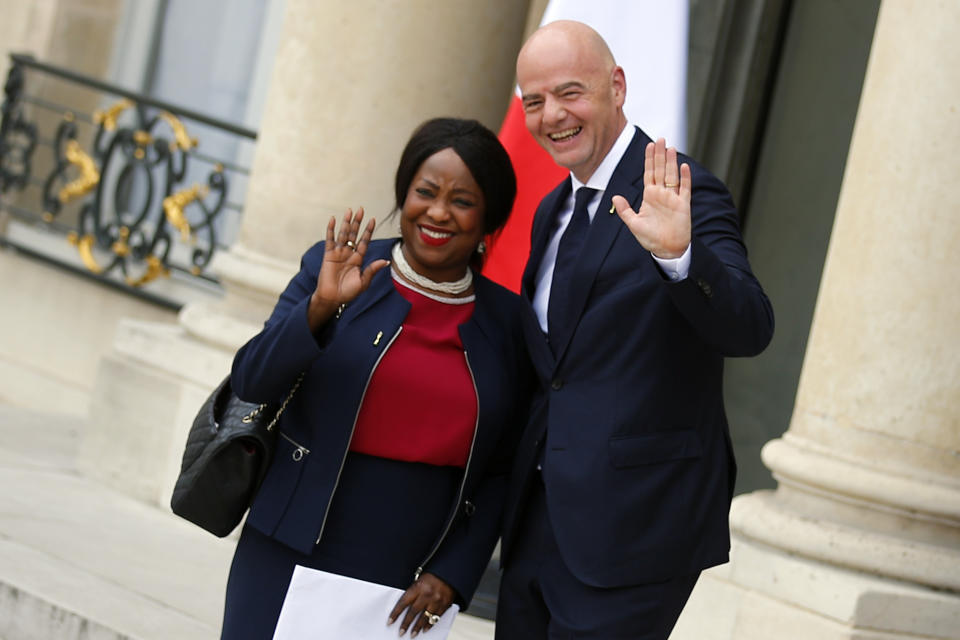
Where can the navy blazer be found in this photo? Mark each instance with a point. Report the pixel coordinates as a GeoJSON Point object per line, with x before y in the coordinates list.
{"type": "Point", "coordinates": [318, 423]}
{"type": "Point", "coordinates": [637, 460]}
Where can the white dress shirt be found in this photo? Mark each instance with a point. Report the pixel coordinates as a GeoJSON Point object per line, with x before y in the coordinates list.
{"type": "Point", "coordinates": [676, 269]}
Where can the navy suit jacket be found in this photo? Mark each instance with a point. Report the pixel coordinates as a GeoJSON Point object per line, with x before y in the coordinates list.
{"type": "Point", "coordinates": [318, 423]}
{"type": "Point", "coordinates": [637, 460]}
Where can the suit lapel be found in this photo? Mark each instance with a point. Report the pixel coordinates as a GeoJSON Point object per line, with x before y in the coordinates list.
{"type": "Point", "coordinates": [380, 286]}
{"type": "Point", "coordinates": [543, 224]}
{"type": "Point", "coordinates": [626, 181]}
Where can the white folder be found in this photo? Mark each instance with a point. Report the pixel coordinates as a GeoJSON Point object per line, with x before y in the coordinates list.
{"type": "Point", "coordinates": [325, 605]}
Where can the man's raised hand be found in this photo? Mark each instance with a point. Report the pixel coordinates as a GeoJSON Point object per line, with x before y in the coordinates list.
{"type": "Point", "coordinates": [662, 224]}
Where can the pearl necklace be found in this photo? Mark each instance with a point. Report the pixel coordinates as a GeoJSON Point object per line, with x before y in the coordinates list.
{"type": "Point", "coordinates": [453, 288]}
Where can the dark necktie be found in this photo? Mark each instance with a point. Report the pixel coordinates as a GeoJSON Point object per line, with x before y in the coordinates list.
{"type": "Point", "coordinates": [571, 243]}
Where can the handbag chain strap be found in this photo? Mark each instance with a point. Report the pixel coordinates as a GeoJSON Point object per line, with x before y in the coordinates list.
{"type": "Point", "coordinates": [285, 403]}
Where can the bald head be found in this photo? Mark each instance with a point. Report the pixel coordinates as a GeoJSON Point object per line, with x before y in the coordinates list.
{"type": "Point", "coordinates": [574, 37]}
{"type": "Point", "coordinates": [573, 93]}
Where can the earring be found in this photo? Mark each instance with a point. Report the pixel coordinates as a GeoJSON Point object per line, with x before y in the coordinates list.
{"type": "Point", "coordinates": [482, 247]}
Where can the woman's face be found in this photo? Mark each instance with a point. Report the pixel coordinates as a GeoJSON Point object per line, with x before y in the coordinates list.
{"type": "Point", "coordinates": [441, 221]}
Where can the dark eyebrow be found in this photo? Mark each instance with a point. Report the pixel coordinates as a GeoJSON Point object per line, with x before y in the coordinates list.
{"type": "Point", "coordinates": [560, 88]}
{"type": "Point", "coordinates": [568, 85]}
{"type": "Point", "coordinates": [458, 190]}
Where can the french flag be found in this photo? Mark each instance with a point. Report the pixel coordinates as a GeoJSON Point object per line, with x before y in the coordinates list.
{"type": "Point", "coordinates": [648, 39]}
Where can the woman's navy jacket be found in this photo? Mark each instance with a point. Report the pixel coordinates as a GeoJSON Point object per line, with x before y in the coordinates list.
{"type": "Point", "coordinates": [318, 423]}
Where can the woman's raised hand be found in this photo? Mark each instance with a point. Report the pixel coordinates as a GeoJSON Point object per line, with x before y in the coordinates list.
{"type": "Point", "coordinates": [342, 275]}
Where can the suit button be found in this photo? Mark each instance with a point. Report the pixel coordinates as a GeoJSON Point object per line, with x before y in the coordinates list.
{"type": "Point", "coordinates": [705, 287]}
{"type": "Point", "coordinates": [469, 508]}
{"type": "Point", "coordinates": [557, 384]}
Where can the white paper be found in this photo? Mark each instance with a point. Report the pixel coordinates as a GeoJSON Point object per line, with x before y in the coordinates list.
{"type": "Point", "coordinates": [324, 605]}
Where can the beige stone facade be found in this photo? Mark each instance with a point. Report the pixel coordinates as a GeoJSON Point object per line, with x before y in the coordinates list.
{"type": "Point", "coordinates": [861, 539]}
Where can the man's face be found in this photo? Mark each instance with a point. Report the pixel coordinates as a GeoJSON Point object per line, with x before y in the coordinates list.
{"type": "Point", "coordinates": [572, 101]}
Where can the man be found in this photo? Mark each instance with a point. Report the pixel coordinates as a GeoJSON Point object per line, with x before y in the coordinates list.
{"type": "Point", "coordinates": [622, 485]}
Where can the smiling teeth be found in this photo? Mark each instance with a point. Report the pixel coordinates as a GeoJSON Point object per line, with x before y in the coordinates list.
{"type": "Point", "coordinates": [563, 135]}
{"type": "Point", "coordinates": [435, 234]}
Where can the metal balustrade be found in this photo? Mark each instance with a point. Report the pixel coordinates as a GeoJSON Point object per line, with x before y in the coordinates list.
{"type": "Point", "coordinates": [128, 185]}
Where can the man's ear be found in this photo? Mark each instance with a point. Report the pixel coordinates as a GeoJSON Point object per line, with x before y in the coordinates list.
{"type": "Point", "coordinates": [618, 81]}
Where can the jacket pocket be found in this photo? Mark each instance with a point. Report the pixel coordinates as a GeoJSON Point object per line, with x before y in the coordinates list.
{"type": "Point", "coordinates": [279, 485]}
{"type": "Point", "coordinates": [651, 448]}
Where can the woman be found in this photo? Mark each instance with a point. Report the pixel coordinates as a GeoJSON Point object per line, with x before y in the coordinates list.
{"type": "Point", "coordinates": [394, 449]}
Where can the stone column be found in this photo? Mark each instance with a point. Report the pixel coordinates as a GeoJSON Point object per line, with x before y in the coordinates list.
{"type": "Point", "coordinates": [861, 538]}
{"type": "Point", "coordinates": [350, 82]}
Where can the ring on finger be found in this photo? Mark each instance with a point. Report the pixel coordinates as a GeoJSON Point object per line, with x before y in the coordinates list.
{"type": "Point", "coordinates": [431, 618]}
{"type": "Point", "coordinates": [351, 245]}
{"type": "Point", "coordinates": [671, 185]}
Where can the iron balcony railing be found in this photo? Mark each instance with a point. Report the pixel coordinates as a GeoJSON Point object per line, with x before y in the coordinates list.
{"type": "Point", "coordinates": [128, 185]}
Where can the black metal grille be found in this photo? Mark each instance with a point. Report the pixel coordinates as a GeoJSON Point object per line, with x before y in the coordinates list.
{"type": "Point", "coordinates": [126, 185]}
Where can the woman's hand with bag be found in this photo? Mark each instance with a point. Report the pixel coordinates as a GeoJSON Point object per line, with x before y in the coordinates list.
{"type": "Point", "coordinates": [342, 276]}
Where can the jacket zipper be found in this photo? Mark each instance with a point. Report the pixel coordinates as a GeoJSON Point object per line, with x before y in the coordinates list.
{"type": "Point", "coordinates": [356, 416]}
{"type": "Point", "coordinates": [300, 450]}
{"type": "Point", "coordinates": [463, 483]}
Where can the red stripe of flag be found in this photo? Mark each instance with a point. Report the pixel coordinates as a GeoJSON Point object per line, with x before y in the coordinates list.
{"type": "Point", "coordinates": [537, 175]}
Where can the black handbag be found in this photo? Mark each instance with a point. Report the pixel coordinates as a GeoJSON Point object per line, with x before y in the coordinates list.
{"type": "Point", "coordinates": [228, 451]}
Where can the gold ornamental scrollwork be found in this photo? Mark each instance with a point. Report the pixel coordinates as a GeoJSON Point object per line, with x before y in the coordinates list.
{"type": "Point", "coordinates": [120, 246]}
{"type": "Point", "coordinates": [84, 245]}
{"type": "Point", "coordinates": [142, 138]}
{"type": "Point", "coordinates": [174, 204]}
{"type": "Point", "coordinates": [184, 141]}
{"type": "Point", "coordinates": [155, 269]}
{"type": "Point", "coordinates": [123, 229]}
{"type": "Point", "coordinates": [108, 118]}
{"type": "Point", "coordinates": [89, 174]}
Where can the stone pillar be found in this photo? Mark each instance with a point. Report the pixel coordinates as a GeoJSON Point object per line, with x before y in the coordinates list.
{"type": "Point", "coordinates": [350, 82]}
{"type": "Point", "coordinates": [861, 538]}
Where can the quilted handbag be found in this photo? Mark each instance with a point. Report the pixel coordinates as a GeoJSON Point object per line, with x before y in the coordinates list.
{"type": "Point", "coordinates": [228, 451]}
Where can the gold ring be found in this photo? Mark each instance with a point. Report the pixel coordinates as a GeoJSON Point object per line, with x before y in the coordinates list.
{"type": "Point", "coordinates": [432, 618]}
{"type": "Point", "coordinates": [671, 185]}
{"type": "Point", "coordinates": [351, 245]}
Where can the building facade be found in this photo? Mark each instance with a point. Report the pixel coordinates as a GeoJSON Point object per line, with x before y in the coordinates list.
{"type": "Point", "coordinates": [831, 121]}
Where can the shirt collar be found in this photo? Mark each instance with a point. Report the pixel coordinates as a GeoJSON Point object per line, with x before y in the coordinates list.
{"type": "Point", "coordinates": [604, 172]}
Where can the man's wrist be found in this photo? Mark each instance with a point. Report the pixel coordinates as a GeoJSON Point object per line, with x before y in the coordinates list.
{"type": "Point", "coordinates": [675, 269]}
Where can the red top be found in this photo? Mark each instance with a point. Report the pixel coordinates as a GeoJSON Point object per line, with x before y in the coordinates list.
{"type": "Point", "coordinates": [421, 405]}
